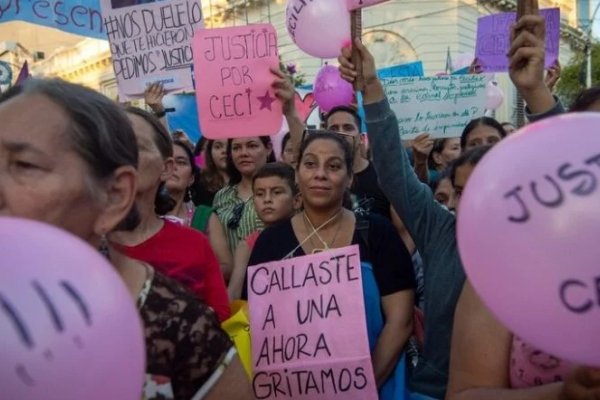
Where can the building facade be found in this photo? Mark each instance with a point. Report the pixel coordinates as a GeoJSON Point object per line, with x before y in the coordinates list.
{"type": "Point", "coordinates": [396, 31]}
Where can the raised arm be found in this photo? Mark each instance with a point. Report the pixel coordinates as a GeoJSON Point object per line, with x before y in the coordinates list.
{"type": "Point", "coordinates": [424, 218]}
{"type": "Point", "coordinates": [153, 96]}
{"type": "Point", "coordinates": [479, 363]}
{"type": "Point", "coordinates": [526, 67]}
{"type": "Point", "coordinates": [284, 90]}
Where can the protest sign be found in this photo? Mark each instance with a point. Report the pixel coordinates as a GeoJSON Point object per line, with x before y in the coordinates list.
{"type": "Point", "coordinates": [308, 325]}
{"type": "Point", "coordinates": [151, 42]}
{"type": "Point", "coordinates": [414, 68]}
{"type": "Point", "coordinates": [493, 39]}
{"type": "Point", "coordinates": [440, 105]}
{"type": "Point", "coordinates": [81, 17]}
{"type": "Point", "coordinates": [233, 81]}
{"type": "Point", "coordinates": [356, 4]}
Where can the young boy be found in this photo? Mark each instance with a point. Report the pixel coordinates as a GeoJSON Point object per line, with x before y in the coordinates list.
{"type": "Point", "coordinates": [275, 199]}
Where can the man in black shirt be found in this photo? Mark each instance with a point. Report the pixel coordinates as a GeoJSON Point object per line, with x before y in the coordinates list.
{"type": "Point", "coordinates": [365, 185]}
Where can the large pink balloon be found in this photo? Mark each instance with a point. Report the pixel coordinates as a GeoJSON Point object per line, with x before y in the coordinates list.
{"type": "Point", "coordinates": [319, 27]}
{"type": "Point", "coordinates": [331, 90]}
{"type": "Point", "coordinates": [528, 230]}
{"type": "Point", "coordinates": [68, 326]}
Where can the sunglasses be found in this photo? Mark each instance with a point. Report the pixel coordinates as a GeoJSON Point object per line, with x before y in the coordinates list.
{"type": "Point", "coordinates": [238, 211]}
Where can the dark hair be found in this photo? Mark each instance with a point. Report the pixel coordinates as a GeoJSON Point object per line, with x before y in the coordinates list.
{"type": "Point", "coordinates": [445, 174]}
{"type": "Point", "coordinates": [99, 132]}
{"type": "Point", "coordinates": [585, 99]}
{"type": "Point", "coordinates": [280, 170]}
{"type": "Point", "coordinates": [438, 147]}
{"type": "Point", "coordinates": [284, 142]}
{"type": "Point", "coordinates": [483, 121]}
{"type": "Point", "coordinates": [234, 175]}
{"type": "Point", "coordinates": [210, 177]}
{"type": "Point", "coordinates": [194, 191]}
{"type": "Point", "coordinates": [328, 135]}
{"type": "Point", "coordinates": [200, 145]}
{"type": "Point", "coordinates": [163, 202]}
{"type": "Point", "coordinates": [347, 109]}
{"type": "Point", "coordinates": [469, 157]}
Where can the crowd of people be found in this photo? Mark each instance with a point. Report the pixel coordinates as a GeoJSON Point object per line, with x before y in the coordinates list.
{"type": "Point", "coordinates": [181, 222]}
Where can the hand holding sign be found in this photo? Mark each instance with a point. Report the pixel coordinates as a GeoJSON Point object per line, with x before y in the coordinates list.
{"type": "Point", "coordinates": [528, 237]}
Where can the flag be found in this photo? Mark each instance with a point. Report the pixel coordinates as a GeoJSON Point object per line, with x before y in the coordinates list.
{"type": "Point", "coordinates": [23, 74]}
{"type": "Point", "coordinates": [449, 68]}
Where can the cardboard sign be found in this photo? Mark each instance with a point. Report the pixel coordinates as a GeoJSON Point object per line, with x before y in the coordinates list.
{"type": "Point", "coordinates": [493, 39]}
{"type": "Point", "coordinates": [309, 331]}
{"type": "Point", "coordinates": [151, 42]}
{"type": "Point", "coordinates": [81, 17]}
{"type": "Point", "coordinates": [440, 105]}
{"type": "Point", "coordinates": [233, 81]}
{"type": "Point", "coordinates": [355, 4]}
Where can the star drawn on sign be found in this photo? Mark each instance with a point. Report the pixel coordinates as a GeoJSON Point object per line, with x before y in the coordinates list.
{"type": "Point", "coordinates": [266, 101]}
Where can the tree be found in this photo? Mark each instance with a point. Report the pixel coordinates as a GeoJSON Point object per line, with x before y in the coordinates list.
{"type": "Point", "coordinates": [573, 76]}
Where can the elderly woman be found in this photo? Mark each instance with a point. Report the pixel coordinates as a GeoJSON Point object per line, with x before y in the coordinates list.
{"type": "Point", "coordinates": [68, 157]}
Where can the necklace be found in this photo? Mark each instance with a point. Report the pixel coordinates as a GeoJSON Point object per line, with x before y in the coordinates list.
{"type": "Point", "coordinates": [316, 232]}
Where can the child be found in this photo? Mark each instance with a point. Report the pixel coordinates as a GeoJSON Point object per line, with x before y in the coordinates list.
{"type": "Point", "coordinates": [275, 198]}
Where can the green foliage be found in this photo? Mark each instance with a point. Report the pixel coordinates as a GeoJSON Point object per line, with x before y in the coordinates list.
{"type": "Point", "coordinates": [573, 76]}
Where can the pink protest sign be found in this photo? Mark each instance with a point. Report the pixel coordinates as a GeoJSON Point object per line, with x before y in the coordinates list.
{"type": "Point", "coordinates": [309, 331]}
{"type": "Point", "coordinates": [233, 81]}
{"type": "Point", "coordinates": [151, 42]}
{"type": "Point", "coordinates": [493, 39]}
{"type": "Point", "coordinates": [355, 4]}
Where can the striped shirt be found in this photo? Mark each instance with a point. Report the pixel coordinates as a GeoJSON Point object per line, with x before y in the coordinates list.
{"type": "Point", "coordinates": [229, 207]}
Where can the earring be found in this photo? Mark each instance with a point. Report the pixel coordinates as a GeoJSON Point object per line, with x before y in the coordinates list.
{"type": "Point", "coordinates": [103, 248]}
{"type": "Point", "coordinates": [189, 193]}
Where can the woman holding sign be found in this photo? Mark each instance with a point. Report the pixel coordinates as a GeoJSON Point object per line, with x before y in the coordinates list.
{"type": "Point", "coordinates": [68, 158]}
{"type": "Point", "coordinates": [324, 176]}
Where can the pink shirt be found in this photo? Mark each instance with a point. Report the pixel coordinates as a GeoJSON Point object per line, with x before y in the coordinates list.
{"type": "Point", "coordinates": [530, 367]}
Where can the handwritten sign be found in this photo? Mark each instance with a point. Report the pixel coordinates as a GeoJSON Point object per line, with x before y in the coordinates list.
{"type": "Point", "coordinates": [493, 39]}
{"type": "Point", "coordinates": [151, 42]}
{"type": "Point", "coordinates": [356, 4]}
{"type": "Point", "coordinates": [233, 81]}
{"type": "Point", "coordinates": [81, 17]}
{"type": "Point", "coordinates": [440, 106]}
{"type": "Point", "coordinates": [309, 336]}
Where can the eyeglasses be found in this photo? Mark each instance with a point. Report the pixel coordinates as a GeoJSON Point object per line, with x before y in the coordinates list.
{"type": "Point", "coordinates": [238, 211]}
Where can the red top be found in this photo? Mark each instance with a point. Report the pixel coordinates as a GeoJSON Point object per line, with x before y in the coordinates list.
{"type": "Point", "coordinates": [185, 255]}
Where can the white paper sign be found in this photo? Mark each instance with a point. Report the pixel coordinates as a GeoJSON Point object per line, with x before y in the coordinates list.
{"type": "Point", "coordinates": [440, 105]}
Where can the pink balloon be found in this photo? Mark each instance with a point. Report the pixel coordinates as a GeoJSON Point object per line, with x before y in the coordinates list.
{"type": "Point", "coordinates": [68, 325]}
{"type": "Point", "coordinates": [528, 229]}
{"type": "Point", "coordinates": [494, 96]}
{"type": "Point", "coordinates": [331, 90]}
{"type": "Point", "coordinates": [320, 28]}
{"type": "Point", "coordinates": [462, 60]}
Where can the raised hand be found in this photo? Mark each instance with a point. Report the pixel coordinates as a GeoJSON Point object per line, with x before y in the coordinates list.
{"type": "Point", "coordinates": [526, 62]}
{"type": "Point", "coordinates": [284, 90]}
{"type": "Point", "coordinates": [553, 75]}
{"type": "Point", "coordinates": [475, 67]}
{"type": "Point", "coordinates": [153, 96]}
{"type": "Point", "coordinates": [422, 146]}
{"type": "Point", "coordinates": [372, 90]}
{"type": "Point", "coordinates": [582, 384]}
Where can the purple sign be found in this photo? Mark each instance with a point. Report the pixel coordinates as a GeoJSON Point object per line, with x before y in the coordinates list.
{"type": "Point", "coordinates": [493, 39]}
